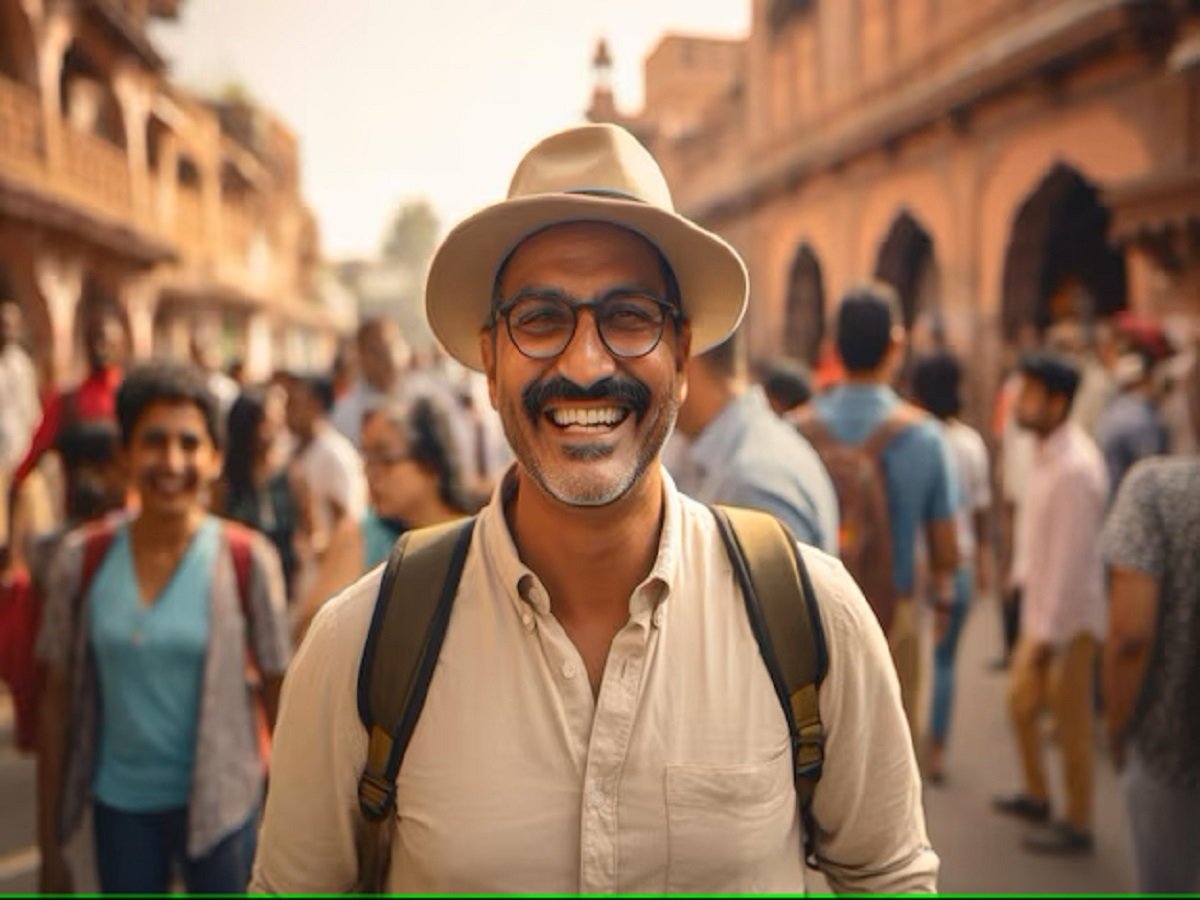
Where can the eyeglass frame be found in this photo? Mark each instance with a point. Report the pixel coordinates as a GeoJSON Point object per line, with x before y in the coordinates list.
{"type": "Point", "coordinates": [501, 309]}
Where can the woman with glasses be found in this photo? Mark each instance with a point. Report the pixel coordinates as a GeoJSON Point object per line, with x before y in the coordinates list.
{"type": "Point", "coordinates": [414, 471]}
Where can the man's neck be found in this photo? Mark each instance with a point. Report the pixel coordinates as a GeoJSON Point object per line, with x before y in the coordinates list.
{"type": "Point", "coordinates": [589, 558]}
{"type": "Point", "coordinates": [708, 404]}
{"type": "Point", "coordinates": [874, 378]}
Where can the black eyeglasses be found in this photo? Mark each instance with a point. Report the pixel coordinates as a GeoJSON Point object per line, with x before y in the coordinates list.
{"type": "Point", "coordinates": [541, 323]}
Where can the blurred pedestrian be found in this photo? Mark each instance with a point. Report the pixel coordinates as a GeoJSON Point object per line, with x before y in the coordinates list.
{"type": "Point", "coordinates": [894, 475]}
{"type": "Point", "coordinates": [206, 354]}
{"type": "Point", "coordinates": [788, 383]}
{"type": "Point", "coordinates": [254, 488]}
{"type": "Point", "coordinates": [1152, 665]}
{"type": "Point", "coordinates": [1062, 617]}
{"type": "Point", "coordinates": [20, 409]}
{"type": "Point", "coordinates": [165, 640]}
{"type": "Point", "coordinates": [383, 357]}
{"type": "Point", "coordinates": [327, 478]}
{"type": "Point", "coordinates": [937, 381]}
{"type": "Point", "coordinates": [741, 453]}
{"type": "Point", "coordinates": [415, 471]}
{"type": "Point", "coordinates": [1130, 427]}
{"type": "Point", "coordinates": [94, 398]}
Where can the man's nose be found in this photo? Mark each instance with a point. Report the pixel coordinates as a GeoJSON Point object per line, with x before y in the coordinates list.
{"type": "Point", "coordinates": [174, 456]}
{"type": "Point", "coordinates": [585, 359]}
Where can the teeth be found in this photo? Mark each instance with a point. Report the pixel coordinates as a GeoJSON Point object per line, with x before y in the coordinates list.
{"type": "Point", "coordinates": [587, 417]}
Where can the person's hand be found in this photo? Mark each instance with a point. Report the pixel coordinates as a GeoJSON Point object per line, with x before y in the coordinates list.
{"type": "Point", "coordinates": [55, 874]}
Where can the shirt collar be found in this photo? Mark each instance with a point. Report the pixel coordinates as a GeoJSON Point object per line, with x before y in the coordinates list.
{"type": "Point", "coordinates": [522, 584]}
{"type": "Point", "coordinates": [1057, 442]}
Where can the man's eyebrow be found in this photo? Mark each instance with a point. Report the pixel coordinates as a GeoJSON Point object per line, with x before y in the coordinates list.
{"type": "Point", "coordinates": [540, 290]}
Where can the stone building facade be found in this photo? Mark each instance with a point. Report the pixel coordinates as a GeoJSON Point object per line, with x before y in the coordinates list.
{"type": "Point", "coordinates": [1004, 163]}
{"type": "Point", "coordinates": [118, 188]}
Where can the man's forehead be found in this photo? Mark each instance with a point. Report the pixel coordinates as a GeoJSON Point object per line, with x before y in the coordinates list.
{"type": "Point", "coordinates": [583, 248]}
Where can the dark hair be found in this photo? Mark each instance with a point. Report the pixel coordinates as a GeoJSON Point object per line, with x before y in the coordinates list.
{"type": "Point", "coordinates": [865, 320]}
{"type": "Point", "coordinates": [167, 382]}
{"type": "Point", "coordinates": [245, 418]}
{"type": "Point", "coordinates": [1059, 374]}
{"type": "Point", "coordinates": [936, 381]}
{"type": "Point", "coordinates": [788, 381]}
{"type": "Point", "coordinates": [427, 428]}
{"type": "Point", "coordinates": [320, 387]}
{"type": "Point", "coordinates": [88, 442]}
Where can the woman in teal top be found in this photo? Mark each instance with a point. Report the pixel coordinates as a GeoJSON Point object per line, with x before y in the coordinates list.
{"type": "Point", "coordinates": [147, 628]}
{"type": "Point", "coordinates": [414, 472]}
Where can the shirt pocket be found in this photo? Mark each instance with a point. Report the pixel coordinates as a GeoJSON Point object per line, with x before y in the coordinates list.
{"type": "Point", "coordinates": [726, 824]}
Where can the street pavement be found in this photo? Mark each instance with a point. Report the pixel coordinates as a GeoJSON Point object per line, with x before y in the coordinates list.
{"type": "Point", "coordinates": [980, 850]}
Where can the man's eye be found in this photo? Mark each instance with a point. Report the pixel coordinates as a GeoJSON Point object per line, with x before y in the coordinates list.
{"type": "Point", "coordinates": [540, 317]}
{"type": "Point", "coordinates": [632, 315]}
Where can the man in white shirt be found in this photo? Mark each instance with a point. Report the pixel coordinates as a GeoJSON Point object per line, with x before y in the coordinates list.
{"type": "Point", "coordinates": [20, 410]}
{"type": "Point", "coordinates": [327, 472]}
{"type": "Point", "coordinates": [1058, 561]}
{"type": "Point", "coordinates": [600, 718]}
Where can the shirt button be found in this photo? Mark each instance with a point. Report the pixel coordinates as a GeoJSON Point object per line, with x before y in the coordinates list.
{"type": "Point", "coordinates": [597, 798]}
{"type": "Point", "coordinates": [657, 618]}
{"type": "Point", "coordinates": [568, 669]}
{"type": "Point", "coordinates": [527, 621]}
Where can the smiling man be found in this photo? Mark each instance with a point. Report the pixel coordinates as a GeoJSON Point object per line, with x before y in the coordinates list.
{"type": "Point", "coordinates": [600, 718]}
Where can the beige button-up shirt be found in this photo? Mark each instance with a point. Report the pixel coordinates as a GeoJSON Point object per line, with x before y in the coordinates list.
{"type": "Point", "coordinates": [677, 777]}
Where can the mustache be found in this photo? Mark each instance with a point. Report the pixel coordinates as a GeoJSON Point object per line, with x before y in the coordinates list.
{"type": "Point", "coordinates": [624, 391]}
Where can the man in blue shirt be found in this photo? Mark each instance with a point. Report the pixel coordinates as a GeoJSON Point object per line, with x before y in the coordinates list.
{"type": "Point", "coordinates": [742, 453]}
{"type": "Point", "coordinates": [917, 468]}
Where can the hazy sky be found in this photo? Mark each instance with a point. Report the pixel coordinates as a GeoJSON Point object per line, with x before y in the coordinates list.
{"type": "Point", "coordinates": [394, 99]}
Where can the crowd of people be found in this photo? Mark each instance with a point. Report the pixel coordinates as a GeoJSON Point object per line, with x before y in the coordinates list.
{"type": "Point", "coordinates": [190, 530]}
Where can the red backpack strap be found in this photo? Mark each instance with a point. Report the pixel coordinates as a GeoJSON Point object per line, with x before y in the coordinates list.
{"type": "Point", "coordinates": [97, 539]}
{"type": "Point", "coordinates": [240, 542]}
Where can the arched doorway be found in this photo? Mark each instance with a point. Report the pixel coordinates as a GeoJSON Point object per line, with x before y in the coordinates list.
{"type": "Point", "coordinates": [88, 100]}
{"type": "Point", "coordinates": [804, 322]}
{"type": "Point", "coordinates": [907, 262]}
{"type": "Point", "coordinates": [1059, 264]}
{"type": "Point", "coordinates": [18, 56]}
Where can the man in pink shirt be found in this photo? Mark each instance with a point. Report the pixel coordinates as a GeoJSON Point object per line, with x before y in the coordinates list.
{"type": "Point", "coordinates": [1058, 561]}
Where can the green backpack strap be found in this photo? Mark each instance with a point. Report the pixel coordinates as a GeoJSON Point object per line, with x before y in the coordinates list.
{"type": "Point", "coordinates": [783, 614]}
{"type": "Point", "coordinates": [411, 615]}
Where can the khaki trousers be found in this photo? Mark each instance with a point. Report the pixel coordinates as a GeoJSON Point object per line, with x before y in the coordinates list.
{"type": "Point", "coordinates": [1061, 683]}
{"type": "Point", "coordinates": [904, 640]}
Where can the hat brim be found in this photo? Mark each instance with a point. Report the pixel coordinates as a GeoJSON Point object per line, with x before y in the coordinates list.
{"type": "Point", "coordinates": [458, 294]}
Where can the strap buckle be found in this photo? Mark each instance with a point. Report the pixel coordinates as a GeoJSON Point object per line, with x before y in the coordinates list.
{"type": "Point", "coordinates": [376, 797]}
{"type": "Point", "coordinates": [812, 768]}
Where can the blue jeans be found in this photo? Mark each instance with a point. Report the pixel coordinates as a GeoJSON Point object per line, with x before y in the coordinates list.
{"type": "Point", "coordinates": [135, 852]}
{"type": "Point", "coordinates": [944, 653]}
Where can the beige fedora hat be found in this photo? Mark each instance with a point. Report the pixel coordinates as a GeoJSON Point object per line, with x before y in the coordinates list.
{"type": "Point", "coordinates": [590, 173]}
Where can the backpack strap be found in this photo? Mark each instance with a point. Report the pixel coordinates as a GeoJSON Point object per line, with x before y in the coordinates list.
{"type": "Point", "coordinates": [96, 542]}
{"type": "Point", "coordinates": [411, 615]}
{"type": "Point", "coordinates": [903, 417]}
{"type": "Point", "coordinates": [810, 425]}
{"type": "Point", "coordinates": [786, 622]}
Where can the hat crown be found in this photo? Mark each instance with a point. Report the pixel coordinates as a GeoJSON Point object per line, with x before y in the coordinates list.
{"type": "Point", "coordinates": [604, 160]}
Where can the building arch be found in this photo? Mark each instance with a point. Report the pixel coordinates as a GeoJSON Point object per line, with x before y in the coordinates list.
{"type": "Point", "coordinates": [18, 50]}
{"type": "Point", "coordinates": [804, 315]}
{"type": "Point", "coordinates": [1097, 142]}
{"type": "Point", "coordinates": [1058, 262]}
{"type": "Point", "coordinates": [906, 260]}
{"type": "Point", "coordinates": [87, 96]}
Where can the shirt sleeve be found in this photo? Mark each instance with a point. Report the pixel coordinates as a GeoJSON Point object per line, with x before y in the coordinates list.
{"type": "Point", "coordinates": [307, 840]}
{"type": "Point", "coordinates": [943, 497]}
{"type": "Point", "coordinates": [981, 481]}
{"type": "Point", "coordinates": [43, 439]}
{"type": "Point", "coordinates": [870, 824]}
{"type": "Point", "coordinates": [1133, 533]}
{"type": "Point", "coordinates": [268, 606]}
{"type": "Point", "coordinates": [62, 584]}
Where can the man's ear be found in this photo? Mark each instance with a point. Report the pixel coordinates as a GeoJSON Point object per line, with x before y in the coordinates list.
{"type": "Point", "coordinates": [683, 347]}
{"type": "Point", "coordinates": [487, 350]}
